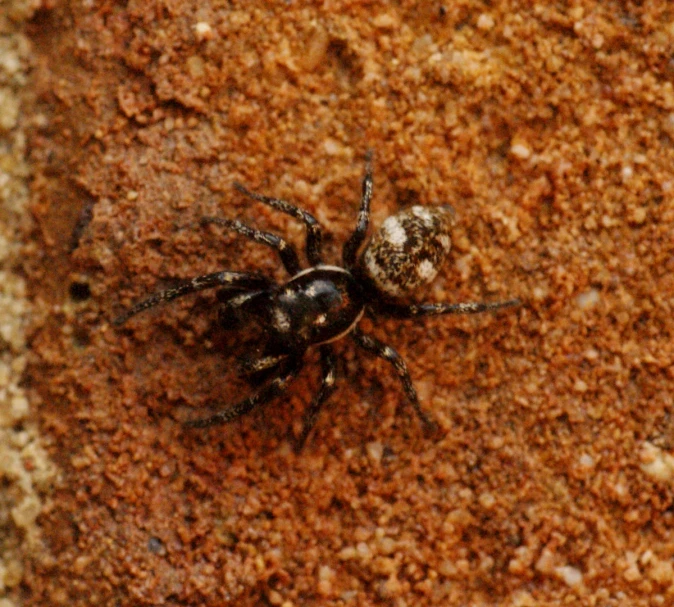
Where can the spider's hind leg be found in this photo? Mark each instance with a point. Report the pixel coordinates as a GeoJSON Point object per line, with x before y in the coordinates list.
{"type": "Point", "coordinates": [286, 251]}
{"type": "Point", "coordinates": [314, 236]}
{"type": "Point", "coordinates": [381, 350]}
{"type": "Point", "coordinates": [351, 246]}
{"type": "Point", "coordinates": [437, 309]}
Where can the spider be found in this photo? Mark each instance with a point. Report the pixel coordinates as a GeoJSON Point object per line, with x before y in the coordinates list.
{"type": "Point", "coordinates": [323, 303]}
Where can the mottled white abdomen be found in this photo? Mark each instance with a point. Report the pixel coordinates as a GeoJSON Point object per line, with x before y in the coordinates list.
{"type": "Point", "coordinates": [408, 249]}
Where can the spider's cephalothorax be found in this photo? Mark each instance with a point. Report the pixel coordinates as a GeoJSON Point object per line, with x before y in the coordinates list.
{"type": "Point", "coordinates": [323, 303]}
{"type": "Point", "coordinates": [316, 306]}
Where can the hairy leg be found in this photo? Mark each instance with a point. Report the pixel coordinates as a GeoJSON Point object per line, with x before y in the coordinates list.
{"type": "Point", "coordinates": [235, 280]}
{"type": "Point", "coordinates": [436, 309]}
{"type": "Point", "coordinates": [389, 354]}
{"type": "Point", "coordinates": [314, 235]}
{"type": "Point", "coordinates": [351, 246]}
{"type": "Point", "coordinates": [275, 387]}
{"type": "Point", "coordinates": [286, 251]}
{"type": "Point", "coordinates": [324, 392]}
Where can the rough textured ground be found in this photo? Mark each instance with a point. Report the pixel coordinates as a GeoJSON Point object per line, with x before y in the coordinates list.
{"type": "Point", "coordinates": [549, 129]}
{"type": "Point", "coordinates": [25, 470]}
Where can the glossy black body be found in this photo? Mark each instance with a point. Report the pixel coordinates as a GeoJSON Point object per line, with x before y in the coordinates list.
{"type": "Point", "coordinates": [316, 306]}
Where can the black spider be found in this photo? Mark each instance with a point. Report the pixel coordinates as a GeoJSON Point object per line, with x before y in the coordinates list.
{"type": "Point", "coordinates": [323, 302]}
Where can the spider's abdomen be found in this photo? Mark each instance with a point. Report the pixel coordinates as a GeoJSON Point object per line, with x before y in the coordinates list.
{"type": "Point", "coordinates": [408, 249]}
{"type": "Point", "coordinates": [316, 306]}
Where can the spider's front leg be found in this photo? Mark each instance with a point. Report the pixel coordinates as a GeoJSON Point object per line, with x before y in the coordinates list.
{"type": "Point", "coordinates": [257, 370]}
{"type": "Point", "coordinates": [231, 280]}
{"type": "Point", "coordinates": [287, 371]}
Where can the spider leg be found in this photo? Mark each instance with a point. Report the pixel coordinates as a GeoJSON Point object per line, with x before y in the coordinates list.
{"type": "Point", "coordinates": [326, 389]}
{"type": "Point", "coordinates": [286, 251]}
{"type": "Point", "coordinates": [238, 305]}
{"type": "Point", "coordinates": [235, 280]}
{"type": "Point", "coordinates": [250, 366]}
{"type": "Point", "coordinates": [435, 309]}
{"type": "Point", "coordinates": [278, 385]}
{"type": "Point", "coordinates": [257, 371]}
{"type": "Point", "coordinates": [389, 354]}
{"type": "Point", "coordinates": [314, 235]}
{"type": "Point", "coordinates": [351, 246]}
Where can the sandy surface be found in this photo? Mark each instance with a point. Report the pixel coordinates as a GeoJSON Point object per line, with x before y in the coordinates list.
{"type": "Point", "coordinates": [26, 472]}
{"type": "Point", "coordinates": [549, 131]}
